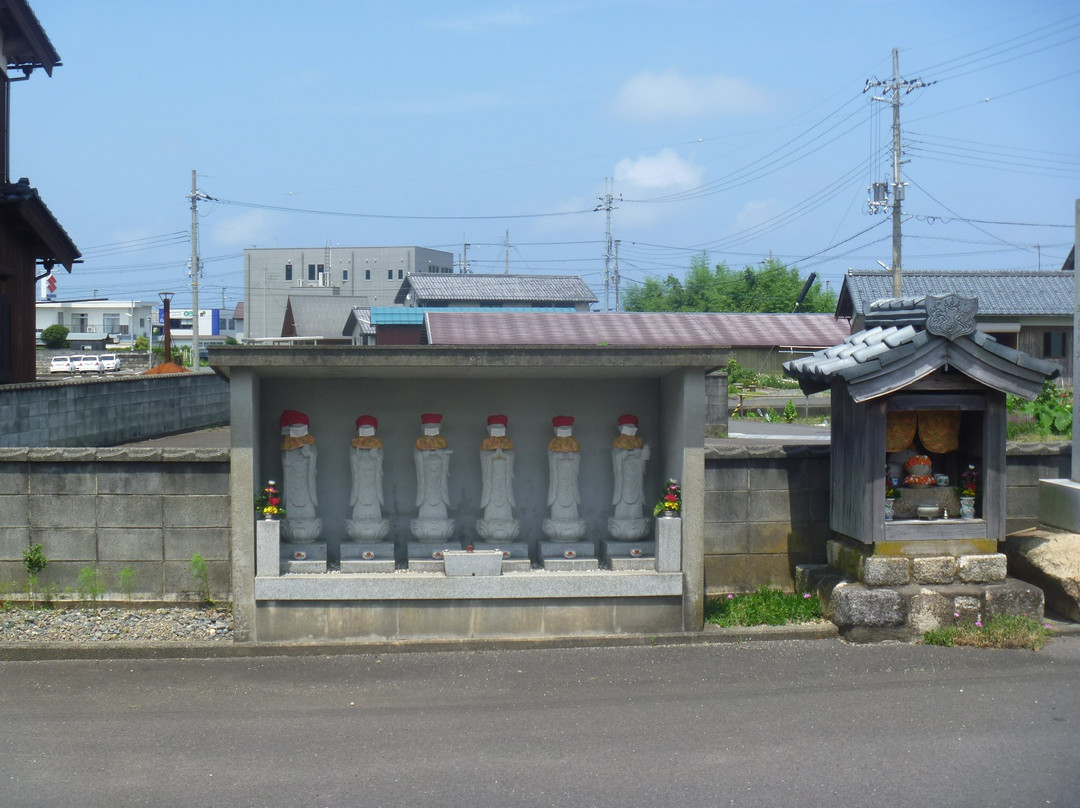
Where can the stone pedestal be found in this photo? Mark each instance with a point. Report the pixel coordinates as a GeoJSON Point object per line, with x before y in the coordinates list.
{"type": "Point", "coordinates": [568, 555]}
{"type": "Point", "coordinates": [668, 544]}
{"type": "Point", "coordinates": [267, 548]}
{"type": "Point", "coordinates": [367, 556]}
{"type": "Point", "coordinates": [628, 555]}
{"type": "Point", "coordinates": [314, 557]}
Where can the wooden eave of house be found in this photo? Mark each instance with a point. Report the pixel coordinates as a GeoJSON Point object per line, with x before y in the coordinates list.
{"type": "Point", "coordinates": [899, 350]}
{"type": "Point", "coordinates": [25, 43]}
{"type": "Point", "coordinates": [24, 214]}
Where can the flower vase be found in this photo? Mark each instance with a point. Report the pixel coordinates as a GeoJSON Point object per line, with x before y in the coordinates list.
{"type": "Point", "coordinates": [967, 507]}
{"type": "Point", "coordinates": [889, 503]}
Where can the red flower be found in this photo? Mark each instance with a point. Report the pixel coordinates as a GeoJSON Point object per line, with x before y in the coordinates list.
{"type": "Point", "coordinates": [275, 501]}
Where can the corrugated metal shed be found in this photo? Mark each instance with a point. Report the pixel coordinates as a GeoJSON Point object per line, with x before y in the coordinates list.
{"type": "Point", "coordinates": [1000, 293]}
{"type": "Point", "coordinates": [319, 316]}
{"type": "Point", "coordinates": [525, 288]}
{"type": "Point", "coordinates": [494, 327]}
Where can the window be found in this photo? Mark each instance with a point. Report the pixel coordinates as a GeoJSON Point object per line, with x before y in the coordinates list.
{"type": "Point", "coordinates": [60, 317]}
{"type": "Point", "coordinates": [400, 274]}
{"type": "Point", "coordinates": [344, 274]}
{"type": "Point", "coordinates": [389, 274]}
{"type": "Point", "coordinates": [311, 272]}
{"type": "Point", "coordinates": [367, 274]}
{"type": "Point", "coordinates": [1054, 344]}
{"type": "Point", "coordinates": [288, 272]}
{"type": "Point", "coordinates": [80, 322]}
{"type": "Point", "coordinates": [111, 323]}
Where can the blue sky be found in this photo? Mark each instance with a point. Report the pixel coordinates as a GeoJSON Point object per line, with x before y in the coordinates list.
{"type": "Point", "coordinates": [740, 128]}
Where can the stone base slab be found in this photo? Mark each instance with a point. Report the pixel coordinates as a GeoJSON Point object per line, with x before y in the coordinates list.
{"type": "Point", "coordinates": [425, 549]}
{"type": "Point", "coordinates": [625, 564]}
{"type": "Point", "coordinates": [374, 565]}
{"type": "Point", "coordinates": [1059, 504]}
{"type": "Point", "coordinates": [570, 564]}
{"type": "Point", "coordinates": [355, 550]}
{"type": "Point", "coordinates": [426, 565]}
{"type": "Point", "coordinates": [559, 549]}
{"type": "Point", "coordinates": [872, 613]}
{"type": "Point", "coordinates": [516, 565]}
{"type": "Point", "coordinates": [628, 550]}
{"type": "Point", "coordinates": [314, 560]}
{"type": "Point", "coordinates": [510, 549]}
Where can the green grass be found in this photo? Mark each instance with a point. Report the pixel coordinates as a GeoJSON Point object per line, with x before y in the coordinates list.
{"type": "Point", "coordinates": [765, 607]}
{"type": "Point", "coordinates": [998, 632]}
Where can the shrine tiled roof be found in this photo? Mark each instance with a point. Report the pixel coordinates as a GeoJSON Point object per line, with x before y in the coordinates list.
{"type": "Point", "coordinates": [898, 348]}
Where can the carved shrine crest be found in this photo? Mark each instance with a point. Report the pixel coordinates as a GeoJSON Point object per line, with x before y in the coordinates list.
{"type": "Point", "coordinates": [951, 316]}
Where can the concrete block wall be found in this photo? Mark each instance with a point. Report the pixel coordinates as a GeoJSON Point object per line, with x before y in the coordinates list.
{"type": "Point", "coordinates": [1027, 464]}
{"type": "Point", "coordinates": [110, 410]}
{"type": "Point", "coordinates": [766, 510]}
{"type": "Point", "coordinates": [149, 510]}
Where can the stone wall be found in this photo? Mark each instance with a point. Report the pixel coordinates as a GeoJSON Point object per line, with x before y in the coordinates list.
{"type": "Point", "coordinates": [149, 510]}
{"type": "Point", "coordinates": [767, 507]}
{"type": "Point", "coordinates": [105, 411]}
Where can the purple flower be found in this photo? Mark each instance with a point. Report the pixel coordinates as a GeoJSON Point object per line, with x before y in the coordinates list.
{"type": "Point", "coordinates": [806, 595]}
{"type": "Point", "coordinates": [978, 623]}
{"type": "Point", "coordinates": [730, 596]}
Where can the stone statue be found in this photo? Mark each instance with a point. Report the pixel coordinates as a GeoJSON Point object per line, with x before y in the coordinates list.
{"type": "Point", "coordinates": [564, 462]}
{"type": "Point", "coordinates": [366, 460]}
{"type": "Point", "coordinates": [432, 457]}
{"type": "Point", "coordinates": [628, 455]}
{"type": "Point", "coordinates": [497, 473]}
{"type": "Point", "coordinates": [298, 461]}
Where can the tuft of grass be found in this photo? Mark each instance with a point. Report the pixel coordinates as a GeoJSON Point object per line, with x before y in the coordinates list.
{"type": "Point", "coordinates": [1006, 631]}
{"type": "Point", "coordinates": [767, 606]}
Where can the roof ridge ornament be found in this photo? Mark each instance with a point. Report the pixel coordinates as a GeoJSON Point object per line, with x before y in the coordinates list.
{"type": "Point", "coordinates": [951, 316]}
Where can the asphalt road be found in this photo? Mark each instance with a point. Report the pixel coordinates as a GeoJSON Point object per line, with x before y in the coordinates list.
{"type": "Point", "coordinates": [794, 723]}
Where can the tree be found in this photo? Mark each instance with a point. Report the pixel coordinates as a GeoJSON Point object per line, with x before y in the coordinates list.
{"type": "Point", "coordinates": [771, 287]}
{"type": "Point", "coordinates": [55, 336]}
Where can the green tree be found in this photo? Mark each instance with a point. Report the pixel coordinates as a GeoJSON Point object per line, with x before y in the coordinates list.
{"type": "Point", "coordinates": [55, 336]}
{"type": "Point", "coordinates": [770, 287]}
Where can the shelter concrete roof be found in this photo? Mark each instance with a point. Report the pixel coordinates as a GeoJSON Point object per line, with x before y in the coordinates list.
{"type": "Point", "coordinates": [495, 327]}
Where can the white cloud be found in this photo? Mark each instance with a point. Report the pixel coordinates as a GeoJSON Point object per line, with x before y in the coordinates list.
{"type": "Point", "coordinates": [668, 94]}
{"type": "Point", "coordinates": [756, 211]}
{"type": "Point", "coordinates": [664, 171]}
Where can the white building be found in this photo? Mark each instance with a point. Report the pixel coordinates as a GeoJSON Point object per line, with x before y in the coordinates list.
{"type": "Point", "coordinates": [369, 276]}
{"type": "Point", "coordinates": [94, 324]}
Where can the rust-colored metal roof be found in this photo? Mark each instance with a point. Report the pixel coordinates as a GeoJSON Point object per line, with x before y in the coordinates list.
{"type": "Point", "coordinates": [627, 328]}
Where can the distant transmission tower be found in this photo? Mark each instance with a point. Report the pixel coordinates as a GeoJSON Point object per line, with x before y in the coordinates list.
{"type": "Point", "coordinates": [881, 191]}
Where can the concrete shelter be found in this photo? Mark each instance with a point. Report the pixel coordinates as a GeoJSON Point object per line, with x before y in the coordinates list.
{"type": "Point", "coordinates": [664, 386]}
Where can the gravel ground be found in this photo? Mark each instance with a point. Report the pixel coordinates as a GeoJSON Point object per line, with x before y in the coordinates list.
{"type": "Point", "coordinates": [177, 624]}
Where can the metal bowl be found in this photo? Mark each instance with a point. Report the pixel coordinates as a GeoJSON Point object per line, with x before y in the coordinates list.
{"type": "Point", "coordinates": [928, 511]}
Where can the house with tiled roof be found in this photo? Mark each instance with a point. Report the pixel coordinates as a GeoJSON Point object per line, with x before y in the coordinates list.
{"type": "Point", "coordinates": [1028, 311]}
{"type": "Point", "coordinates": [495, 291]}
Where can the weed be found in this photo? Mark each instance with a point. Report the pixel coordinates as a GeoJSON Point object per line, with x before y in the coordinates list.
{"type": "Point", "coordinates": [127, 582]}
{"type": "Point", "coordinates": [767, 606]}
{"type": "Point", "coordinates": [202, 576]}
{"type": "Point", "coordinates": [1006, 631]}
{"type": "Point", "coordinates": [34, 559]}
{"type": "Point", "coordinates": [90, 583]}
{"type": "Point", "coordinates": [790, 413]}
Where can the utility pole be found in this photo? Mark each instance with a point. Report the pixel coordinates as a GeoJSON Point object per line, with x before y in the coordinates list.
{"type": "Point", "coordinates": [606, 204]}
{"type": "Point", "coordinates": [195, 196]}
{"type": "Point", "coordinates": [616, 274]}
{"type": "Point", "coordinates": [878, 199]}
{"type": "Point", "coordinates": [506, 244]}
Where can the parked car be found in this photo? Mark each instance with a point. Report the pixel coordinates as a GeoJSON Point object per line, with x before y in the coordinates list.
{"type": "Point", "coordinates": [109, 362]}
{"type": "Point", "coordinates": [87, 364]}
{"type": "Point", "coordinates": [60, 364]}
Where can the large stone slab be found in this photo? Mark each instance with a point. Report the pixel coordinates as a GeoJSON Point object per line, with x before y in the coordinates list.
{"type": "Point", "coordinates": [1050, 559]}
